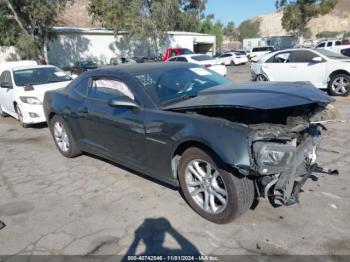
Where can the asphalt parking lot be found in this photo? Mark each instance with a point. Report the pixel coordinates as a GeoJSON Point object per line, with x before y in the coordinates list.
{"type": "Point", "coordinates": [85, 206]}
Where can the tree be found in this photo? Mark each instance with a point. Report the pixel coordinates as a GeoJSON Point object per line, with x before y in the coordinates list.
{"type": "Point", "coordinates": [230, 31]}
{"type": "Point", "coordinates": [327, 34]}
{"type": "Point", "coordinates": [249, 29]}
{"type": "Point", "coordinates": [148, 19]}
{"type": "Point", "coordinates": [208, 26]}
{"type": "Point", "coordinates": [298, 13]}
{"type": "Point", "coordinates": [28, 25]}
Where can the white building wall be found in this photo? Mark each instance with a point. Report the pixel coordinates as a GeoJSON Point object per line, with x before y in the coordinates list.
{"type": "Point", "coordinates": [74, 45]}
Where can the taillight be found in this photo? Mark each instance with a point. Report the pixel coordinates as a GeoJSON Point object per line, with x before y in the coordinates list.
{"type": "Point", "coordinates": [207, 65]}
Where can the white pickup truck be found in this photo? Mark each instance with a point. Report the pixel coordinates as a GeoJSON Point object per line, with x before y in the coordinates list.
{"type": "Point", "coordinates": [332, 45]}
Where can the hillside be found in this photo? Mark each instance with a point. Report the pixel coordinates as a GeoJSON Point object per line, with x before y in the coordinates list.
{"type": "Point", "coordinates": [337, 20]}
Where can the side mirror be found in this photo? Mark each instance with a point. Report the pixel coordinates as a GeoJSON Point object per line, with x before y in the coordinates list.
{"type": "Point", "coordinates": [6, 85]}
{"type": "Point", "coordinates": [317, 59]}
{"type": "Point", "coordinates": [123, 101]}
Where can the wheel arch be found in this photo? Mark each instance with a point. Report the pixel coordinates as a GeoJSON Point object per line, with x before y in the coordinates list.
{"type": "Point", "coordinates": [183, 146]}
{"type": "Point", "coordinates": [337, 72]}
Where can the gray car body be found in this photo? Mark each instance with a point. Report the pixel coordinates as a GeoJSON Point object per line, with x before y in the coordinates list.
{"type": "Point", "coordinates": [151, 138]}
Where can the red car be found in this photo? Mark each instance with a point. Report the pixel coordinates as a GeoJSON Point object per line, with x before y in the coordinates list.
{"type": "Point", "coordinates": [170, 52]}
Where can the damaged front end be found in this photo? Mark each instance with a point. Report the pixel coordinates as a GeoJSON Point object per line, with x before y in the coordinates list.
{"type": "Point", "coordinates": [285, 154]}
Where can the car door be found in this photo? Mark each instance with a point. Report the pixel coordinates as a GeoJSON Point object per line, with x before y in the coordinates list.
{"type": "Point", "coordinates": [117, 132]}
{"type": "Point", "coordinates": [305, 69]}
{"type": "Point", "coordinates": [278, 67]}
{"type": "Point", "coordinates": [7, 93]}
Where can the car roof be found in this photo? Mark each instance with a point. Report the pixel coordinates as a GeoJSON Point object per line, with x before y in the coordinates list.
{"type": "Point", "coordinates": [31, 67]}
{"type": "Point", "coordinates": [189, 55]}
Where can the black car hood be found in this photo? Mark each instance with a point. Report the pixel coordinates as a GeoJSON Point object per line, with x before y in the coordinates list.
{"type": "Point", "coordinates": [264, 96]}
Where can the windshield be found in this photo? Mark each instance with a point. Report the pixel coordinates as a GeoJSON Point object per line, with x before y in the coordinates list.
{"type": "Point", "coordinates": [175, 84]}
{"type": "Point", "coordinates": [332, 55]}
{"type": "Point", "coordinates": [202, 58]}
{"type": "Point", "coordinates": [39, 76]}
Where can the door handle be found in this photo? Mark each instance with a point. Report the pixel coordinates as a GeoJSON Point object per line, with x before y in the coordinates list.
{"type": "Point", "coordinates": [83, 112]}
{"type": "Point", "coordinates": [293, 66]}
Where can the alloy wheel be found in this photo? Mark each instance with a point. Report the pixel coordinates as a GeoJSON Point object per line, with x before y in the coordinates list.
{"type": "Point", "coordinates": [261, 78]}
{"type": "Point", "coordinates": [206, 186]}
{"type": "Point", "coordinates": [61, 137]}
{"type": "Point", "coordinates": [340, 85]}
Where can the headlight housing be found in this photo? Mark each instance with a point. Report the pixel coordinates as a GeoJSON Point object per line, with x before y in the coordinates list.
{"type": "Point", "coordinates": [273, 157]}
{"type": "Point", "coordinates": [30, 100]}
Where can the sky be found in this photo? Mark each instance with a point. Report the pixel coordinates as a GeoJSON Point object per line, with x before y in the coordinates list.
{"type": "Point", "coordinates": [239, 10]}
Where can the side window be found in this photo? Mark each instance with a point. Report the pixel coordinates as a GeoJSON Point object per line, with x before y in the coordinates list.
{"type": "Point", "coordinates": [303, 56]}
{"type": "Point", "coordinates": [172, 53]}
{"type": "Point", "coordinates": [321, 45]}
{"type": "Point", "coordinates": [280, 58]}
{"type": "Point", "coordinates": [329, 44]}
{"type": "Point", "coordinates": [181, 59]}
{"type": "Point", "coordinates": [6, 78]}
{"type": "Point", "coordinates": [107, 88]}
{"type": "Point", "coordinates": [338, 43]}
{"type": "Point", "coordinates": [173, 59]}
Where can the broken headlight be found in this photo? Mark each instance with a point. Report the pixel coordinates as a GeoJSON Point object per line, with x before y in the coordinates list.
{"type": "Point", "coordinates": [271, 156]}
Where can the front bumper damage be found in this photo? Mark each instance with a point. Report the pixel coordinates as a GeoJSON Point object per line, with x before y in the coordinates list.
{"type": "Point", "coordinates": [281, 184]}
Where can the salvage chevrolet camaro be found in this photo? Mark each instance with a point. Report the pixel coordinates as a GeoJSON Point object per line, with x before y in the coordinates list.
{"type": "Point", "coordinates": [224, 145]}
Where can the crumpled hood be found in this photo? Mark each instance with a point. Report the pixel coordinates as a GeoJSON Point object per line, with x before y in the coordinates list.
{"type": "Point", "coordinates": [40, 90]}
{"type": "Point", "coordinates": [264, 96]}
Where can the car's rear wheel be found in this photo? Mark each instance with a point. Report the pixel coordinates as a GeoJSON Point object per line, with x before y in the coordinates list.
{"type": "Point", "coordinates": [339, 85]}
{"type": "Point", "coordinates": [232, 63]}
{"type": "Point", "coordinates": [214, 193]}
{"type": "Point", "coordinates": [2, 113]}
{"type": "Point", "coordinates": [20, 117]}
{"type": "Point", "coordinates": [63, 137]}
{"type": "Point", "coordinates": [261, 78]}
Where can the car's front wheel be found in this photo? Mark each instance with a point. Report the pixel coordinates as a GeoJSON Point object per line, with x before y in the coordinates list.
{"type": "Point", "coordinates": [339, 85]}
{"type": "Point", "coordinates": [63, 137]}
{"type": "Point", "coordinates": [214, 193]}
{"type": "Point", "coordinates": [261, 78]}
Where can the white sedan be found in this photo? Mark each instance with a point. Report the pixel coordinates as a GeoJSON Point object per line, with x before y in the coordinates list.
{"type": "Point", "coordinates": [233, 58]}
{"type": "Point", "coordinates": [23, 86]}
{"type": "Point", "coordinates": [204, 60]}
{"type": "Point", "coordinates": [324, 69]}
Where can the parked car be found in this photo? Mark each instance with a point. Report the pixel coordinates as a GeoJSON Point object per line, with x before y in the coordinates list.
{"type": "Point", "coordinates": [82, 66]}
{"type": "Point", "coordinates": [233, 58]}
{"type": "Point", "coordinates": [203, 60]}
{"type": "Point", "coordinates": [121, 60]}
{"type": "Point", "coordinates": [332, 45]}
{"type": "Point", "coordinates": [324, 69]}
{"type": "Point", "coordinates": [171, 52]}
{"type": "Point", "coordinates": [222, 144]}
{"type": "Point", "coordinates": [260, 51]}
{"type": "Point", "coordinates": [23, 85]}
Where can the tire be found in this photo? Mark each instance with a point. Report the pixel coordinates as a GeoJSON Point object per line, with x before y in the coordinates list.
{"type": "Point", "coordinates": [20, 117]}
{"type": "Point", "coordinates": [261, 78]}
{"type": "Point", "coordinates": [239, 190]}
{"type": "Point", "coordinates": [2, 113]}
{"type": "Point", "coordinates": [232, 63]}
{"type": "Point", "coordinates": [339, 85]}
{"type": "Point", "coordinates": [64, 140]}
